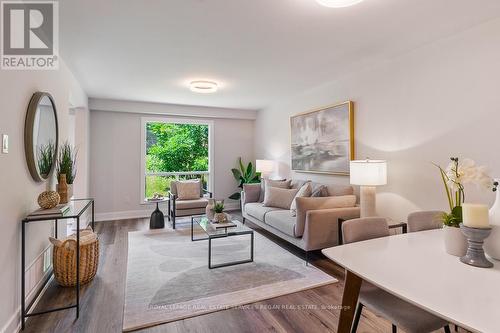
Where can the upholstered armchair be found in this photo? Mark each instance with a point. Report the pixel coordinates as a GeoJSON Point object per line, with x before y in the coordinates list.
{"type": "Point", "coordinates": [186, 204]}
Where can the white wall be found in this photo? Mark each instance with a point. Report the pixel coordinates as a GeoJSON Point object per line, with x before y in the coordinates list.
{"type": "Point", "coordinates": [18, 192]}
{"type": "Point", "coordinates": [438, 101]}
{"type": "Point", "coordinates": [115, 157]}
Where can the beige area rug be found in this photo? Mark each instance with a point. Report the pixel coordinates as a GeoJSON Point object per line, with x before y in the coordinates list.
{"type": "Point", "coordinates": [168, 277]}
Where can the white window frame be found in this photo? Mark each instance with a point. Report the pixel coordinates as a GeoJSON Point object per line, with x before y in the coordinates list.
{"type": "Point", "coordinates": [173, 120]}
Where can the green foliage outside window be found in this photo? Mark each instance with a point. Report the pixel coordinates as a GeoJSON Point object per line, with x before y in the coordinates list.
{"type": "Point", "coordinates": [174, 148]}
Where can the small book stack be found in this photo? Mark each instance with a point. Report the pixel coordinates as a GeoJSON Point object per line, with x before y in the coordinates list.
{"type": "Point", "coordinates": [59, 210]}
{"type": "Point", "coordinates": [227, 224]}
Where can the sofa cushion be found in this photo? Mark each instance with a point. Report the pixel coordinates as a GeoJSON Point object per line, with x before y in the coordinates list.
{"type": "Point", "coordinates": [257, 210]}
{"type": "Point", "coordinates": [304, 191]}
{"type": "Point", "coordinates": [272, 183]}
{"type": "Point", "coordinates": [281, 220]}
{"type": "Point", "coordinates": [338, 190]}
{"type": "Point", "coordinates": [188, 204]}
{"type": "Point", "coordinates": [189, 212]}
{"type": "Point", "coordinates": [279, 197]}
{"type": "Point", "coordinates": [306, 204]}
{"type": "Point", "coordinates": [173, 186]}
{"type": "Point", "coordinates": [188, 190]}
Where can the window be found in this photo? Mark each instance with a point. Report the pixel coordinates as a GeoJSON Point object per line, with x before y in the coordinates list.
{"type": "Point", "coordinates": [174, 149]}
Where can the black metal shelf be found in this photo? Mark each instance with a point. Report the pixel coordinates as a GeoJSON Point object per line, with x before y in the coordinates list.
{"type": "Point", "coordinates": [77, 208]}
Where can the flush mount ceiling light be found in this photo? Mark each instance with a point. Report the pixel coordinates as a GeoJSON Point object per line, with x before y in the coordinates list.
{"type": "Point", "coordinates": [338, 3]}
{"type": "Point", "coordinates": [203, 87]}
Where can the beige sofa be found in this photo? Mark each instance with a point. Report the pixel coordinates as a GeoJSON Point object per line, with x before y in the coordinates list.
{"type": "Point", "coordinates": [315, 225]}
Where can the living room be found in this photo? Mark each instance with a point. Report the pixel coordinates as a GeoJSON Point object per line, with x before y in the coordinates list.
{"type": "Point", "coordinates": [288, 165]}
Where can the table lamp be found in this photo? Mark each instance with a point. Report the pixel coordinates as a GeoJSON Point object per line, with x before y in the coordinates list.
{"type": "Point", "coordinates": [368, 174]}
{"type": "Point", "coordinates": [265, 167]}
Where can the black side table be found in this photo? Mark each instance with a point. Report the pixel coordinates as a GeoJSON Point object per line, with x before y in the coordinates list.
{"type": "Point", "coordinates": [157, 220]}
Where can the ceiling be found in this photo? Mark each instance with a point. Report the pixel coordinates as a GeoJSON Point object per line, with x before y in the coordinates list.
{"type": "Point", "coordinates": [259, 51]}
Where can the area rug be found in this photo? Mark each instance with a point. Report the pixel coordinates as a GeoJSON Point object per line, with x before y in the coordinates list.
{"type": "Point", "coordinates": [168, 278]}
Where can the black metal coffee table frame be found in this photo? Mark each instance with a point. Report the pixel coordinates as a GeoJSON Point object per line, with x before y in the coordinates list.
{"type": "Point", "coordinates": [227, 233]}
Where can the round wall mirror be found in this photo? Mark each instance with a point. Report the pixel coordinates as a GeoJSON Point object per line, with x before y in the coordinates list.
{"type": "Point", "coordinates": [41, 136]}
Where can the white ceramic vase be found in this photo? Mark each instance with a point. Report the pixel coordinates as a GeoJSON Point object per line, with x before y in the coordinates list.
{"type": "Point", "coordinates": [454, 241]}
{"type": "Point", "coordinates": [492, 243]}
{"type": "Point", "coordinates": [209, 210]}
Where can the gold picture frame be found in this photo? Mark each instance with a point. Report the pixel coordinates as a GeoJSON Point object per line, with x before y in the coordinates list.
{"type": "Point", "coordinates": [322, 140]}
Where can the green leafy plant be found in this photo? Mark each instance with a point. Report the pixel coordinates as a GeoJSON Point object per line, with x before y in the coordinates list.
{"type": "Point", "coordinates": [244, 175]}
{"type": "Point", "coordinates": [219, 207]}
{"type": "Point", "coordinates": [454, 177]}
{"type": "Point", "coordinates": [66, 163]}
{"type": "Point", "coordinates": [45, 158]}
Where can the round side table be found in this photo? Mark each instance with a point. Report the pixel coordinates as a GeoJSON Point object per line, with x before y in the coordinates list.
{"type": "Point", "coordinates": [157, 220]}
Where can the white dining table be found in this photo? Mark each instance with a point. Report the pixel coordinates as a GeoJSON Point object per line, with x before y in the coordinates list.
{"type": "Point", "coordinates": [416, 268]}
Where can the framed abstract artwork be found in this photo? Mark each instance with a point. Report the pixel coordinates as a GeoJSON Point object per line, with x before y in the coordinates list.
{"type": "Point", "coordinates": [322, 140]}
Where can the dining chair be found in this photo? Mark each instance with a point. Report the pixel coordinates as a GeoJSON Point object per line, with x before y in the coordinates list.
{"type": "Point", "coordinates": [425, 220]}
{"type": "Point", "coordinates": [401, 313]}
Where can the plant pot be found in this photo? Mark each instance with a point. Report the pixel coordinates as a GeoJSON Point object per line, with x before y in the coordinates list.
{"type": "Point", "coordinates": [209, 210]}
{"type": "Point", "coordinates": [220, 217]}
{"type": "Point", "coordinates": [492, 243]}
{"type": "Point", "coordinates": [454, 241]}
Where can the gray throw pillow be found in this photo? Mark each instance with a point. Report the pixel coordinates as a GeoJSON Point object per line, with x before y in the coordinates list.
{"type": "Point", "coordinates": [320, 191]}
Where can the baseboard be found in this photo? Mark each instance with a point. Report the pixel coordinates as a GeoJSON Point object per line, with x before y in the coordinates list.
{"type": "Point", "coordinates": [123, 215]}
{"type": "Point", "coordinates": [13, 325]}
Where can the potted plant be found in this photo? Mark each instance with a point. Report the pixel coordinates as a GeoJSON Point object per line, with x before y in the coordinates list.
{"type": "Point", "coordinates": [245, 175]}
{"type": "Point", "coordinates": [66, 171]}
{"type": "Point", "coordinates": [219, 215]}
{"type": "Point", "coordinates": [454, 177]}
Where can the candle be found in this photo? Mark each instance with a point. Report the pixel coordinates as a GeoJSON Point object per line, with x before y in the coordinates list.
{"type": "Point", "coordinates": [475, 215]}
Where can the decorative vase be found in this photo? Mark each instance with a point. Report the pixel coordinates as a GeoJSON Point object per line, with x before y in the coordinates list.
{"type": "Point", "coordinates": [62, 189]}
{"type": "Point", "coordinates": [48, 199]}
{"type": "Point", "coordinates": [220, 217]}
{"type": "Point", "coordinates": [209, 210]}
{"type": "Point", "coordinates": [492, 243]}
{"type": "Point", "coordinates": [70, 191]}
{"type": "Point", "coordinates": [454, 241]}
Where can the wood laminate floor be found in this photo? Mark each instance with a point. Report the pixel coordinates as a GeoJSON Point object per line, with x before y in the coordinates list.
{"type": "Point", "coordinates": [102, 300]}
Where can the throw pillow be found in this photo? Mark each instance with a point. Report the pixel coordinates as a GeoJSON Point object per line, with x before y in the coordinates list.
{"type": "Point", "coordinates": [188, 190]}
{"type": "Point", "coordinates": [272, 183]}
{"type": "Point", "coordinates": [304, 191]}
{"type": "Point", "coordinates": [279, 197]}
{"type": "Point", "coordinates": [320, 191]}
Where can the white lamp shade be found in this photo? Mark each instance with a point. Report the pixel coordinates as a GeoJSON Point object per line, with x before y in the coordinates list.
{"type": "Point", "coordinates": [264, 166]}
{"type": "Point", "coordinates": [368, 172]}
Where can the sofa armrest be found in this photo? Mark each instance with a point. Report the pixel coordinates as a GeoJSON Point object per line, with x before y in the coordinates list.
{"type": "Point", "coordinates": [250, 193]}
{"type": "Point", "coordinates": [305, 204]}
{"type": "Point", "coordinates": [322, 226]}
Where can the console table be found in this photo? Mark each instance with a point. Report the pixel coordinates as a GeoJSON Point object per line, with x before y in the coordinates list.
{"type": "Point", "coordinates": [76, 209]}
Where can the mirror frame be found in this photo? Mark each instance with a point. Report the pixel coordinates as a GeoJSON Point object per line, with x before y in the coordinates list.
{"type": "Point", "coordinates": [28, 135]}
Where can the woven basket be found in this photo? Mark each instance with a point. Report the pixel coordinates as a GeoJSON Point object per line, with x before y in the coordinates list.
{"type": "Point", "coordinates": [64, 258]}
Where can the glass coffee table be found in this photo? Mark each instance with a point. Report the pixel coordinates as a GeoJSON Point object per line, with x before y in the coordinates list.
{"type": "Point", "coordinates": [214, 231]}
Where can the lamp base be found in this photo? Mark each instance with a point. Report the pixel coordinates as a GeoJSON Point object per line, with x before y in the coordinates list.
{"type": "Point", "coordinates": [368, 201]}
